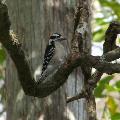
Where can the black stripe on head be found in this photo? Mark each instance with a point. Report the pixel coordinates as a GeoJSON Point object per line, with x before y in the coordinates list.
{"type": "Point", "coordinates": [52, 37]}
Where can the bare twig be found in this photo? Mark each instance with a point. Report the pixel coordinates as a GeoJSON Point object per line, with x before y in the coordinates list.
{"type": "Point", "coordinates": [82, 94]}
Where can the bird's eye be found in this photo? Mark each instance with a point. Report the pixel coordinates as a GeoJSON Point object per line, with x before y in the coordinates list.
{"type": "Point", "coordinates": [52, 37]}
{"type": "Point", "coordinates": [58, 36]}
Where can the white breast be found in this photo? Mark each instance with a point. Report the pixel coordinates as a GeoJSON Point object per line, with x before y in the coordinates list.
{"type": "Point", "coordinates": [59, 51]}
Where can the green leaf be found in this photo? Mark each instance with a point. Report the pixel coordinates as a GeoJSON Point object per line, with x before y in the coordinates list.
{"type": "Point", "coordinates": [98, 92]}
{"type": "Point", "coordinates": [114, 5]}
{"type": "Point", "coordinates": [101, 21]}
{"type": "Point", "coordinates": [106, 79]}
{"type": "Point", "coordinates": [98, 35]}
{"type": "Point", "coordinates": [1, 77]}
{"type": "Point", "coordinates": [116, 116]}
{"type": "Point", "coordinates": [111, 104]}
{"type": "Point", "coordinates": [110, 88]}
{"type": "Point", "coordinates": [2, 56]}
{"type": "Point", "coordinates": [117, 84]}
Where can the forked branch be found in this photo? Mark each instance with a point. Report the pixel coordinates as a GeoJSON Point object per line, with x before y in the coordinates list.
{"type": "Point", "coordinates": [60, 76]}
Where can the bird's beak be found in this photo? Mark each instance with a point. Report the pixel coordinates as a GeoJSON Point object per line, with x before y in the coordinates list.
{"type": "Point", "coordinates": [62, 38]}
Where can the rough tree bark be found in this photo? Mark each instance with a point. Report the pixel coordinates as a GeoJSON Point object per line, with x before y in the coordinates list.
{"type": "Point", "coordinates": [79, 56]}
{"type": "Point", "coordinates": [33, 21]}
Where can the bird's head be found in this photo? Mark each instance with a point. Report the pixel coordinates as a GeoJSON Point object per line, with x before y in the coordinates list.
{"type": "Point", "coordinates": [56, 37]}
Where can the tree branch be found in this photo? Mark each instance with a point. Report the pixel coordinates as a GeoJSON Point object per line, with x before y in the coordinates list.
{"type": "Point", "coordinates": [60, 76]}
{"type": "Point", "coordinates": [103, 67]}
{"type": "Point", "coordinates": [109, 45]}
{"type": "Point", "coordinates": [82, 94]}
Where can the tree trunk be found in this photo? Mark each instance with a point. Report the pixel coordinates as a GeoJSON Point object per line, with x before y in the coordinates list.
{"type": "Point", "coordinates": [34, 21]}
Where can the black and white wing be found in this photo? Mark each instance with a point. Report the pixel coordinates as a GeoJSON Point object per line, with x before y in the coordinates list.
{"type": "Point", "coordinates": [49, 52]}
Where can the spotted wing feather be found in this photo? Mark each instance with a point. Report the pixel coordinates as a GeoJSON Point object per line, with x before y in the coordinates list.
{"type": "Point", "coordinates": [49, 52]}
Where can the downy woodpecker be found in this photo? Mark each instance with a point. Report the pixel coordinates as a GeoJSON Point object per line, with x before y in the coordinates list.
{"type": "Point", "coordinates": [55, 54]}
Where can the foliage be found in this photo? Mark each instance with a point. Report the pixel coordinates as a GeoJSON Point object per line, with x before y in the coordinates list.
{"type": "Point", "coordinates": [2, 77]}
{"type": "Point", "coordinates": [105, 12]}
{"type": "Point", "coordinates": [108, 89]}
{"type": "Point", "coordinates": [98, 92]}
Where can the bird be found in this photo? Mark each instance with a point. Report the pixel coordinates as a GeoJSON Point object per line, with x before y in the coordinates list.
{"type": "Point", "coordinates": [55, 53]}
